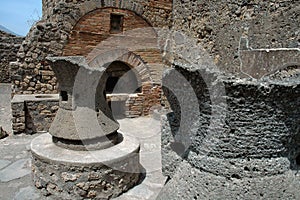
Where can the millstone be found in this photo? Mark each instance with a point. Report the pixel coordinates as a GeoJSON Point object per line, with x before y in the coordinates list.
{"type": "Point", "coordinates": [84, 155]}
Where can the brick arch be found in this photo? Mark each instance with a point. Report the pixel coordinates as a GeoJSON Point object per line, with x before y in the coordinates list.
{"type": "Point", "coordinates": [121, 4]}
{"type": "Point", "coordinates": [134, 61]}
{"type": "Point", "coordinates": [94, 27]}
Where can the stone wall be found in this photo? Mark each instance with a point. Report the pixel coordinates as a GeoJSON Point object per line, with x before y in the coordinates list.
{"type": "Point", "coordinates": [89, 182]}
{"type": "Point", "coordinates": [218, 26]}
{"type": "Point", "coordinates": [32, 114]}
{"type": "Point", "coordinates": [18, 117]}
{"type": "Point", "coordinates": [9, 46]}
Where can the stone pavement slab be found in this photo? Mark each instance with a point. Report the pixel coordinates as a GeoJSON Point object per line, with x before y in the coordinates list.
{"type": "Point", "coordinates": [5, 107]}
{"type": "Point", "coordinates": [27, 193]}
{"type": "Point", "coordinates": [15, 173]}
{"type": "Point", "coordinates": [4, 163]}
{"type": "Point", "coordinates": [16, 170]}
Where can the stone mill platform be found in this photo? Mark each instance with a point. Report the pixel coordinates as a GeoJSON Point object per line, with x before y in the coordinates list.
{"type": "Point", "coordinates": [15, 163]}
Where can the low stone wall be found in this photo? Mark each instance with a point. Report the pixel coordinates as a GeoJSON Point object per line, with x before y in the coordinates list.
{"type": "Point", "coordinates": [33, 113]}
{"type": "Point", "coordinates": [18, 117]}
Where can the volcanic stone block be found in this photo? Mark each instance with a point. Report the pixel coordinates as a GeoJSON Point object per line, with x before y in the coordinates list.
{"type": "Point", "coordinates": [84, 114]}
{"type": "Point", "coordinates": [244, 144]}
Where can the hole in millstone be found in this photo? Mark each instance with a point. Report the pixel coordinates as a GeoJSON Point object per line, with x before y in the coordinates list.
{"type": "Point", "coordinates": [235, 176]}
{"type": "Point", "coordinates": [64, 95]}
{"type": "Point", "coordinates": [298, 160]}
{"type": "Point", "coordinates": [246, 168]}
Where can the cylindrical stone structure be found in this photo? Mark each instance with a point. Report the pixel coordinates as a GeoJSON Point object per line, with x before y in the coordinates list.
{"type": "Point", "coordinates": [84, 155]}
{"type": "Point", "coordinates": [245, 145]}
{"type": "Point", "coordinates": [84, 116]}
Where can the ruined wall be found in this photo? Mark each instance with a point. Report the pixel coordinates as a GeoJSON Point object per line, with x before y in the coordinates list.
{"type": "Point", "coordinates": [9, 46]}
{"type": "Point", "coordinates": [219, 25]}
{"type": "Point", "coordinates": [49, 36]}
{"type": "Point", "coordinates": [34, 113]}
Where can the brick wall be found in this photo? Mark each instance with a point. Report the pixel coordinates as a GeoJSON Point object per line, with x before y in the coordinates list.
{"type": "Point", "coordinates": [95, 27]}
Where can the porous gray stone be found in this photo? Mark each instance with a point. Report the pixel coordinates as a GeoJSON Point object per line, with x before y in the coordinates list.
{"type": "Point", "coordinates": [241, 145]}
{"type": "Point", "coordinates": [84, 114]}
{"type": "Point", "coordinates": [191, 183]}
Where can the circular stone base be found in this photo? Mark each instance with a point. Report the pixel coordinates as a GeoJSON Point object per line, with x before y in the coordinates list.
{"type": "Point", "coordinates": [69, 174]}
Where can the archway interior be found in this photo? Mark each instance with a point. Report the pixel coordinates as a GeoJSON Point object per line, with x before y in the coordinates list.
{"type": "Point", "coordinates": [121, 79]}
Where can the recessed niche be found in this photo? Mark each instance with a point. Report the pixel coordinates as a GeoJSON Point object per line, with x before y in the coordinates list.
{"type": "Point", "coordinates": [116, 23]}
{"type": "Point", "coordinates": [64, 96]}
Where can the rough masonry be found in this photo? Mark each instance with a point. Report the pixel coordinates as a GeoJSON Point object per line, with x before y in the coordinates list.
{"type": "Point", "coordinates": [9, 47]}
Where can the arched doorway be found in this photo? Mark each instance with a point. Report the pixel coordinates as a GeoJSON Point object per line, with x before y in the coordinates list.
{"type": "Point", "coordinates": [117, 39]}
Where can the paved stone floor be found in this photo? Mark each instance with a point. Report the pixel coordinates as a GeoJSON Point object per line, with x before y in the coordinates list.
{"type": "Point", "coordinates": [15, 162]}
{"type": "Point", "coordinates": [5, 108]}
